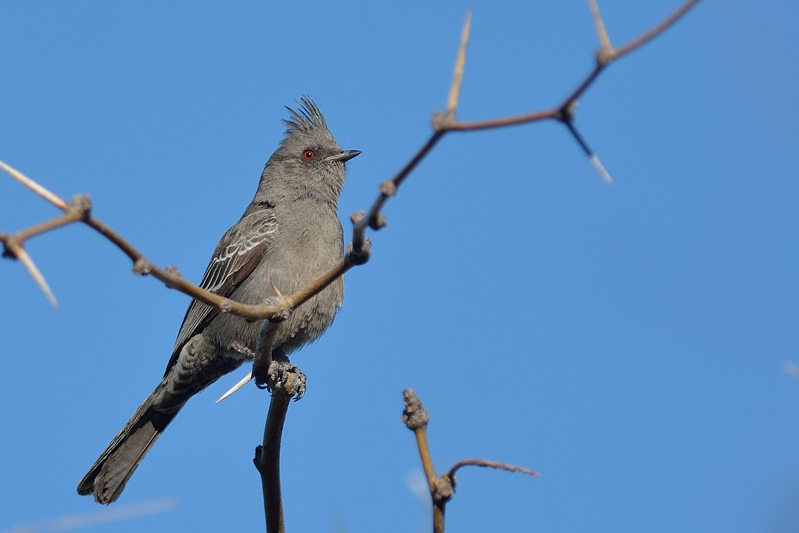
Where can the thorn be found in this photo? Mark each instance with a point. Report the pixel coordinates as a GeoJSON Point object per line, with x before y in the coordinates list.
{"type": "Point", "coordinates": [35, 187]}
{"type": "Point", "coordinates": [25, 259]}
{"type": "Point", "coordinates": [457, 75]}
{"type": "Point", "coordinates": [601, 169]}
{"type": "Point", "coordinates": [602, 33]}
{"type": "Point", "coordinates": [592, 158]}
{"type": "Point", "coordinates": [246, 379]}
{"type": "Point", "coordinates": [277, 291]}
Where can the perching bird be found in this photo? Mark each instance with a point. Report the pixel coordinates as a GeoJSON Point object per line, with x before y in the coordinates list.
{"type": "Point", "coordinates": [288, 236]}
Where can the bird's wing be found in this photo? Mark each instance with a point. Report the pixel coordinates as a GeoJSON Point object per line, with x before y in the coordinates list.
{"type": "Point", "coordinates": [235, 257]}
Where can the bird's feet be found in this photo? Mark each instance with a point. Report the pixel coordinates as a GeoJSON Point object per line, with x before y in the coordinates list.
{"type": "Point", "coordinates": [284, 377]}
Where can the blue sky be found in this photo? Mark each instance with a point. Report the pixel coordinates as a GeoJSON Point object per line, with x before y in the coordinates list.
{"type": "Point", "coordinates": [627, 342]}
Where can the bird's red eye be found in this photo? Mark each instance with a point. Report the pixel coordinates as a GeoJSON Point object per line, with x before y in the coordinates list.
{"type": "Point", "coordinates": [308, 155]}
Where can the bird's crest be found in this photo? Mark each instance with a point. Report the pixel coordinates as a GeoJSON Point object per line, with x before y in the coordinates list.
{"type": "Point", "coordinates": [306, 119]}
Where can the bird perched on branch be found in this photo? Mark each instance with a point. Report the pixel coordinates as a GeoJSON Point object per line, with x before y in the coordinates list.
{"type": "Point", "coordinates": [288, 236]}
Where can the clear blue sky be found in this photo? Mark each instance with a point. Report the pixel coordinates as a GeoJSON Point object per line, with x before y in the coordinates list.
{"type": "Point", "coordinates": [627, 342]}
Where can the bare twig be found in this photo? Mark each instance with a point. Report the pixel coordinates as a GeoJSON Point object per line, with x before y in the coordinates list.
{"type": "Point", "coordinates": [554, 113]}
{"type": "Point", "coordinates": [267, 461]}
{"type": "Point", "coordinates": [442, 488]}
{"type": "Point", "coordinates": [285, 381]}
{"type": "Point", "coordinates": [657, 30]}
{"type": "Point", "coordinates": [489, 464]}
{"type": "Point", "coordinates": [415, 417]}
{"type": "Point", "coordinates": [359, 249]}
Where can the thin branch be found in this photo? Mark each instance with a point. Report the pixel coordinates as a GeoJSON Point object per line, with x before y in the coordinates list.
{"type": "Point", "coordinates": [358, 250]}
{"type": "Point", "coordinates": [415, 417]}
{"type": "Point", "coordinates": [602, 61]}
{"type": "Point", "coordinates": [267, 461]}
{"type": "Point", "coordinates": [80, 210]}
{"type": "Point", "coordinates": [657, 30]}
{"type": "Point", "coordinates": [489, 464]}
{"type": "Point", "coordinates": [285, 381]}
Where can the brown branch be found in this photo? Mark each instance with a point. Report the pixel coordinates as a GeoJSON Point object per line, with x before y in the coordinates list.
{"type": "Point", "coordinates": [489, 464]}
{"type": "Point", "coordinates": [415, 417]}
{"type": "Point", "coordinates": [79, 210]}
{"type": "Point", "coordinates": [358, 250]}
{"type": "Point", "coordinates": [604, 57]}
{"type": "Point", "coordinates": [657, 30]}
{"type": "Point", "coordinates": [442, 488]}
{"type": "Point", "coordinates": [285, 381]}
{"type": "Point", "coordinates": [267, 461]}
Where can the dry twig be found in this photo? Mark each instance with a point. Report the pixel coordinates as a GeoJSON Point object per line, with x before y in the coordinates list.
{"type": "Point", "coordinates": [442, 488]}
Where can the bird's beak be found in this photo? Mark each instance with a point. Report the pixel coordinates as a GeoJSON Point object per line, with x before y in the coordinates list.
{"type": "Point", "coordinates": [343, 156]}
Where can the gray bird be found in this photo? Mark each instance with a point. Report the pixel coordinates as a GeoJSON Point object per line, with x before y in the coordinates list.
{"type": "Point", "coordinates": [289, 235]}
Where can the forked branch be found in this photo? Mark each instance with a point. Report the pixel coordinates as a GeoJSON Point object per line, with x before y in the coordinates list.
{"type": "Point", "coordinates": [358, 251]}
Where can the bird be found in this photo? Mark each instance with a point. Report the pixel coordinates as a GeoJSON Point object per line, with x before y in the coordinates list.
{"type": "Point", "coordinates": [289, 235]}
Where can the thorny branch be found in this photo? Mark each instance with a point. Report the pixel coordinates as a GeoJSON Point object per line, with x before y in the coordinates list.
{"type": "Point", "coordinates": [358, 251]}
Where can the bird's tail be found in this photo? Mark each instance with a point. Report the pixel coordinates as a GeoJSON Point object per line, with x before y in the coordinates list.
{"type": "Point", "coordinates": [107, 477]}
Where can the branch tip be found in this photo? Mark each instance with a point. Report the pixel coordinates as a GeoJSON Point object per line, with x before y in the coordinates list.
{"type": "Point", "coordinates": [415, 416]}
{"type": "Point", "coordinates": [357, 216]}
{"type": "Point", "coordinates": [484, 463]}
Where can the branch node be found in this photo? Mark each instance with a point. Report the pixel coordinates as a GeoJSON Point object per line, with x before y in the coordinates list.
{"type": "Point", "coordinates": [378, 222]}
{"type": "Point", "coordinates": [442, 489]}
{"type": "Point", "coordinates": [605, 56]}
{"type": "Point", "coordinates": [83, 204]}
{"type": "Point", "coordinates": [566, 113]}
{"type": "Point", "coordinates": [443, 122]}
{"type": "Point", "coordinates": [357, 216]}
{"type": "Point", "coordinates": [173, 270]}
{"type": "Point", "coordinates": [362, 255]}
{"type": "Point", "coordinates": [388, 188]}
{"type": "Point", "coordinates": [10, 245]}
{"type": "Point", "coordinates": [142, 267]}
{"type": "Point", "coordinates": [415, 415]}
